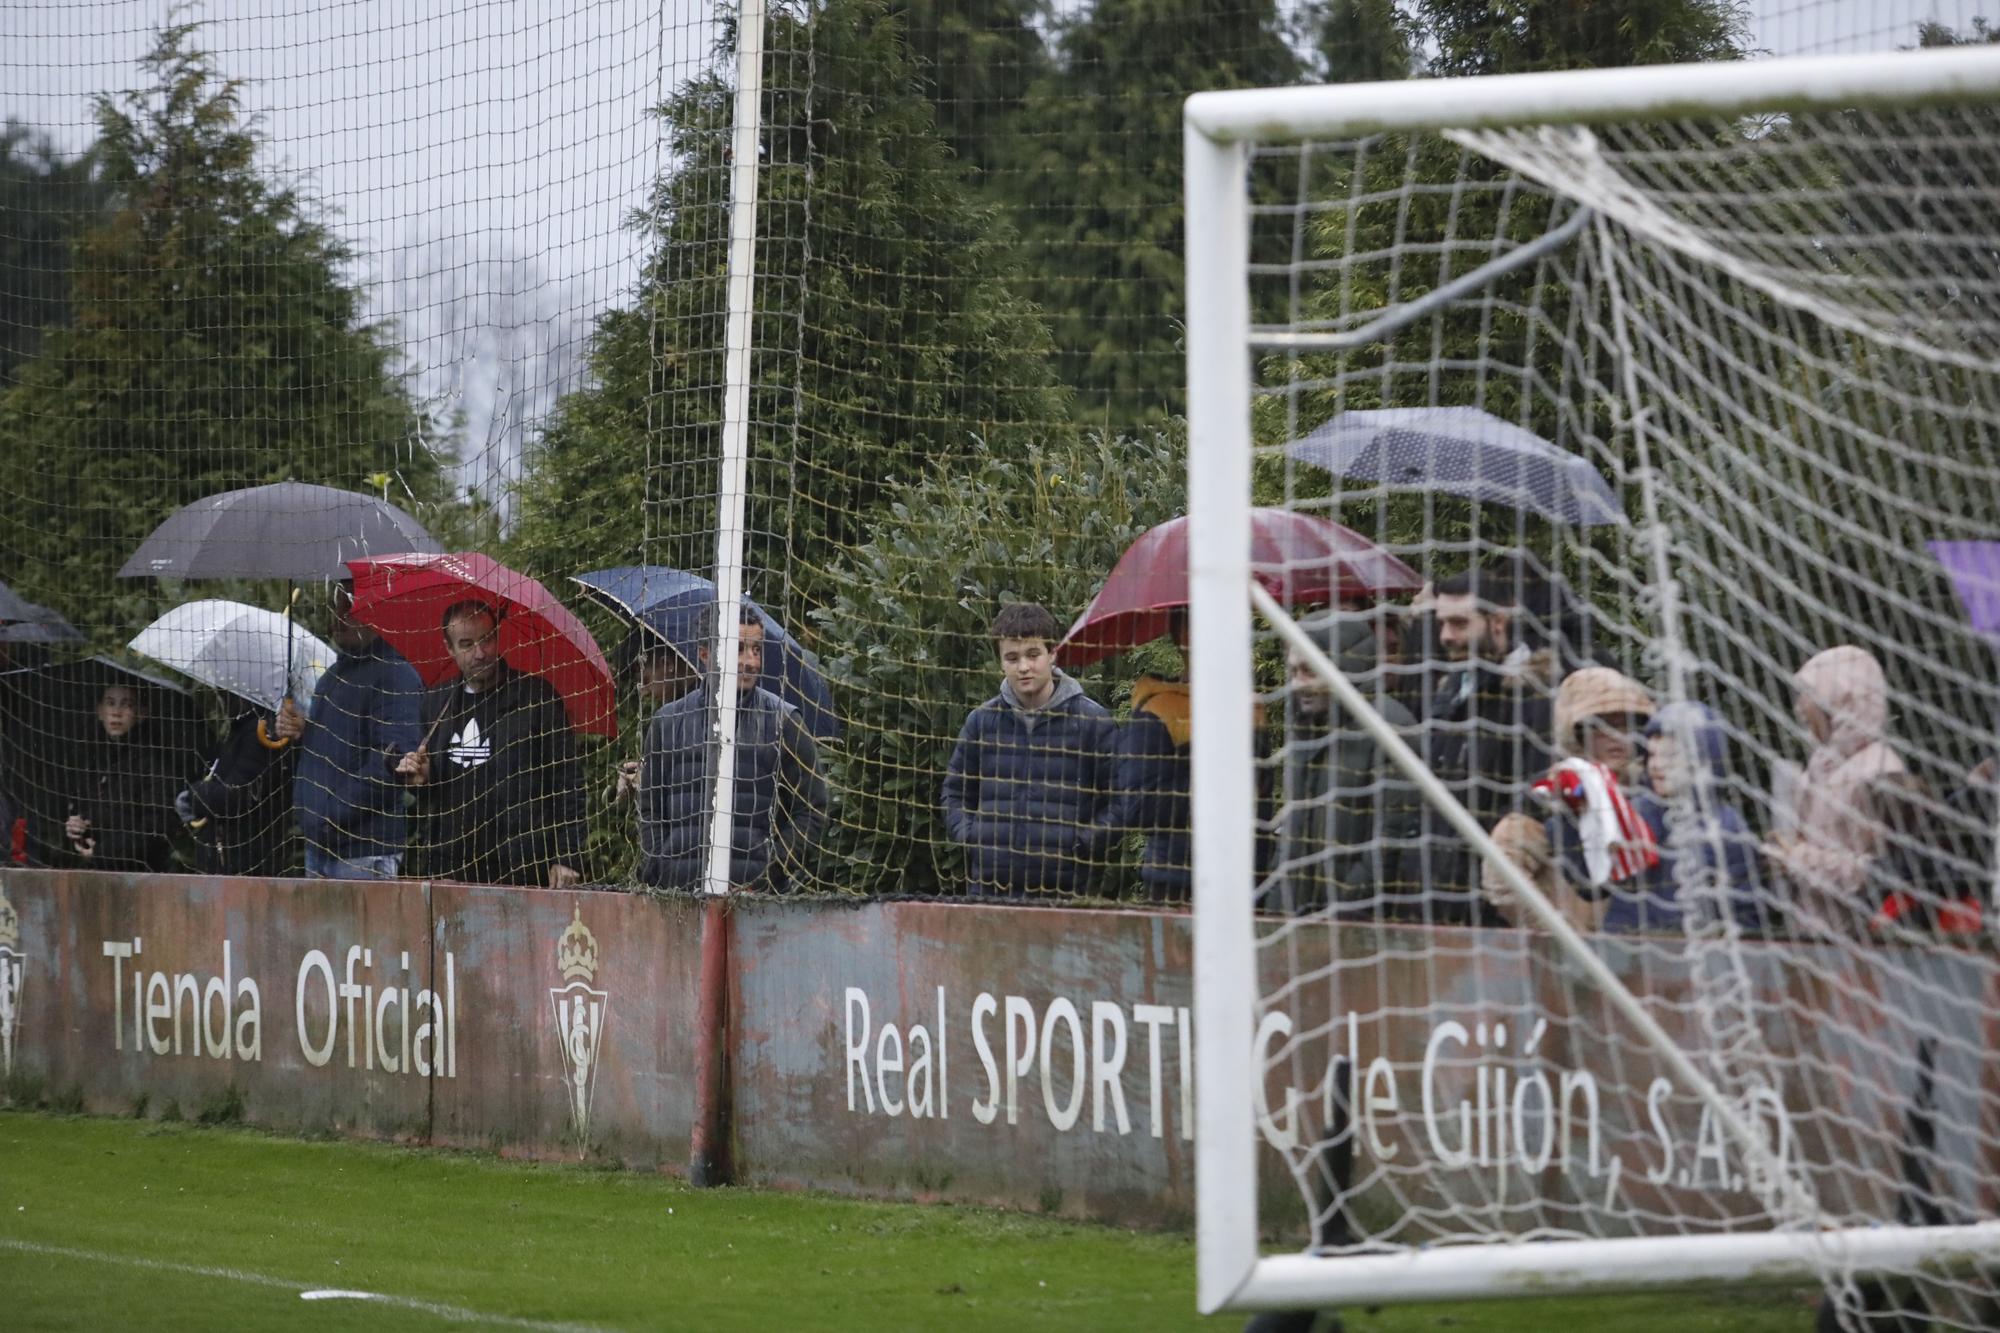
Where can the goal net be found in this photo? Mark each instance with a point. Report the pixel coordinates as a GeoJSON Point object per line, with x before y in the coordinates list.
{"type": "Point", "coordinates": [1623, 900]}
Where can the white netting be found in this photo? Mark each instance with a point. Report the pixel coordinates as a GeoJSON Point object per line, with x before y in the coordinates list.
{"type": "Point", "coordinates": [1760, 703]}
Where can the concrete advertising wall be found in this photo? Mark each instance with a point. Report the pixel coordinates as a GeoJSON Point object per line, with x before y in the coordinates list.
{"type": "Point", "coordinates": [1036, 1058]}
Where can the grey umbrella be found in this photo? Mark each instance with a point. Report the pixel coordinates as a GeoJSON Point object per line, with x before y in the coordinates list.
{"type": "Point", "coordinates": [13, 606]}
{"type": "Point", "coordinates": [288, 530]}
{"type": "Point", "coordinates": [37, 624]}
{"type": "Point", "coordinates": [1462, 451]}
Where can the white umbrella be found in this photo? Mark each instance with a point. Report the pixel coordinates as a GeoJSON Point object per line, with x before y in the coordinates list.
{"type": "Point", "coordinates": [240, 649]}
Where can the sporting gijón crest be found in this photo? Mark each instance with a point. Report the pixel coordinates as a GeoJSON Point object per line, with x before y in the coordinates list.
{"type": "Point", "coordinates": [580, 1012]}
{"type": "Point", "coordinates": [13, 965]}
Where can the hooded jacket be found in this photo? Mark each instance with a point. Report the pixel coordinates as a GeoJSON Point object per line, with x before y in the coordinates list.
{"type": "Point", "coordinates": [780, 796]}
{"type": "Point", "coordinates": [1828, 864]}
{"type": "Point", "coordinates": [239, 811]}
{"type": "Point", "coordinates": [1030, 793]}
{"type": "Point", "coordinates": [1348, 820]}
{"type": "Point", "coordinates": [505, 796]}
{"type": "Point", "coordinates": [1704, 841]}
{"type": "Point", "coordinates": [1153, 786]}
{"type": "Point", "coordinates": [364, 718]}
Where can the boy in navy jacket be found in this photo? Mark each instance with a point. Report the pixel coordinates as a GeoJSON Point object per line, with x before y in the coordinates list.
{"type": "Point", "coordinates": [1030, 789]}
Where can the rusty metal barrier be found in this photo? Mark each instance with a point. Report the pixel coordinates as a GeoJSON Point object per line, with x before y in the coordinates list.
{"type": "Point", "coordinates": [1028, 1057]}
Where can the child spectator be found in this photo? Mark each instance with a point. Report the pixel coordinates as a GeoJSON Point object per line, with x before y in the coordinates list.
{"type": "Point", "coordinates": [1029, 789]}
{"type": "Point", "coordinates": [121, 810]}
{"type": "Point", "coordinates": [1686, 768]}
{"type": "Point", "coordinates": [1842, 699]}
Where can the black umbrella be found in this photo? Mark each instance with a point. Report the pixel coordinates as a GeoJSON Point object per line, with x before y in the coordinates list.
{"type": "Point", "coordinates": [289, 530]}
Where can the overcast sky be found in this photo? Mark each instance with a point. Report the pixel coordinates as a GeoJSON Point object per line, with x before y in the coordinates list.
{"type": "Point", "coordinates": [482, 154]}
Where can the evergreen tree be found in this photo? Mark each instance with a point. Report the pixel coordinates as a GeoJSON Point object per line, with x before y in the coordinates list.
{"type": "Point", "coordinates": [1098, 191]}
{"type": "Point", "coordinates": [977, 61]}
{"type": "Point", "coordinates": [1520, 36]}
{"type": "Point", "coordinates": [1366, 41]}
{"type": "Point", "coordinates": [888, 338]}
{"type": "Point", "coordinates": [45, 199]}
{"type": "Point", "coordinates": [214, 344]}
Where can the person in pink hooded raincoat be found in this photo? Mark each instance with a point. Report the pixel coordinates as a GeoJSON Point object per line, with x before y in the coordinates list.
{"type": "Point", "coordinates": [1842, 700]}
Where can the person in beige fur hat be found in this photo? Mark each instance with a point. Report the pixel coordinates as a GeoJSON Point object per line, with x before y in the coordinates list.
{"type": "Point", "coordinates": [1600, 715]}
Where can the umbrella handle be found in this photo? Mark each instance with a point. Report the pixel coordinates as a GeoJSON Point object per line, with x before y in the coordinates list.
{"type": "Point", "coordinates": [267, 740]}
{"type": "Point", "coordinates": [264, 736]}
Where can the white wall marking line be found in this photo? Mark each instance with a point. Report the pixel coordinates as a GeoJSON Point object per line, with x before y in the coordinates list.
{"type": "Point", "coordinates": [306, 1290]}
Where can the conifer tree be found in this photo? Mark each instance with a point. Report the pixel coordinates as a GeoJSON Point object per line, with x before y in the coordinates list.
{"type": "Point", "coordinates": [888, 337]}
{"type": "Point", "coordinates": [215, 343]}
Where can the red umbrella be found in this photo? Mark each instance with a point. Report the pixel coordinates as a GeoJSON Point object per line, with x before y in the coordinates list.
{"type": "Point", "coordinates": [1301, 559]}
{"type": "Point", "coordinates": [405, 597]}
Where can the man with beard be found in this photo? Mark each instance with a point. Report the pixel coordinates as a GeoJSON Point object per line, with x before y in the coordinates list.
{"type": "Point", "coordinates": [1487, 733]}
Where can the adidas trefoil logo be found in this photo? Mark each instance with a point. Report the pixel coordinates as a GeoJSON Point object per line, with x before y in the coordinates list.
{"type": "Point", "coordinates": [469, 749]}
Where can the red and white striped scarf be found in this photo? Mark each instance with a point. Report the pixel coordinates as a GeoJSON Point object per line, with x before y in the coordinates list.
{"type": "Point", "coordinates": [1617, 845]}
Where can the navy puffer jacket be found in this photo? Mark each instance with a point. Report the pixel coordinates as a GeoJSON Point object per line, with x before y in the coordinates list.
{"type": "Point", "coordinates": [780, 796]}
{"type": "Point", "coordinates": [1030, 792]}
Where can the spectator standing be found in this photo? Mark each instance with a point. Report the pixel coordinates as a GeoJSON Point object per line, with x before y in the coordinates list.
{"type": "Point", "coordinates": [658, 676]}
{"type": "Point", "coordinates": [1029, 790]}
{"type": "Point", "coordinates": [1599, 715]}
{"type": "Point", "coordinates": [1686, 804]}
{"type": "Point", "coordinates": [780, 798]}
{"type": "Point", "coordinates": [501, 801]}
{"type": "Point", "coordinates": [1154, 763]}
{"type": "Point", "coordinates": [1842, 700]}
{"type": "Point", "coordinates": [1486, 733]}
{"type": "Point", "coordinates": [1921, 880]}
{"type": "Point", "coordinates": [1348, 821]}
{"type": "Point", "coordinates": [365, 718]}
{"type": "Point", "coordinates": [121, 811]}
{"type": "Point", "coordinates": [239, 810]}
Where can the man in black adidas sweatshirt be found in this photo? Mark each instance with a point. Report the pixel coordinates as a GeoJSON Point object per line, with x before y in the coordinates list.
{"type": "Point", "coordinates": [499, 788]}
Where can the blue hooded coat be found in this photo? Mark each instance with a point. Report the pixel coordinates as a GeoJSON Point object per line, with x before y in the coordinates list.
{"type": "Point", "coordinates": [1721, 841]}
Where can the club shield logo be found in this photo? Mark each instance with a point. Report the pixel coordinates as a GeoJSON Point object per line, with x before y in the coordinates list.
{"type": "Point", "coordinates": [13, 967]}
{"type": "Point", "coordinates": [581, 1011]}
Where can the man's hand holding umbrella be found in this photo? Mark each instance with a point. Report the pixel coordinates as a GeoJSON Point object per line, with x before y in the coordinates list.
{"type": "Point", "coordinates": [493, 618]}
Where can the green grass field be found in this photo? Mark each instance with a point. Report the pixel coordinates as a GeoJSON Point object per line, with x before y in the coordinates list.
{"type": "Point", "coordinates": [109, 1223]}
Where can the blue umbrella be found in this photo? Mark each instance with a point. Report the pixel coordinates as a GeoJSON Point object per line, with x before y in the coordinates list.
{"type": "Point", "coordinates": [669, 604]}
{"type": "Point", "coordinates": [1462, 451]}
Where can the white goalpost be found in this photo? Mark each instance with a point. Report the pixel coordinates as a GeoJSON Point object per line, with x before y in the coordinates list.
{"type": "Point", "coordinates": [1761, 301]}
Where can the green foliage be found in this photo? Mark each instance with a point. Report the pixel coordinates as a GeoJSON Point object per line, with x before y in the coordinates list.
{"type": "Point", "coordinates": [1519, 36]}
{"type": "Point", "coordinates": [215, 343]}
{"type": "Point", "coordinates": [45, 199]}
{"type": "Point", "coordinates": [1097, 194]}
{"type": "Point", "coordinates": [1504, 350]}
{"type": "Point", "coordinates": [978, 60]}
{"type": "Point", "coordinates": [904, 643]}
{"type": "Point", "coordinates": [888, 336]}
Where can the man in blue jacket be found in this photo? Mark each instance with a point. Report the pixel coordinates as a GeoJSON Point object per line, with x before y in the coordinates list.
{"type": "Point", "coordinates": [364, 718]}
{"type": "Point", "coordinates": [1030, 791]}
{"type": "Point", "coordinates": [780, 797]}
